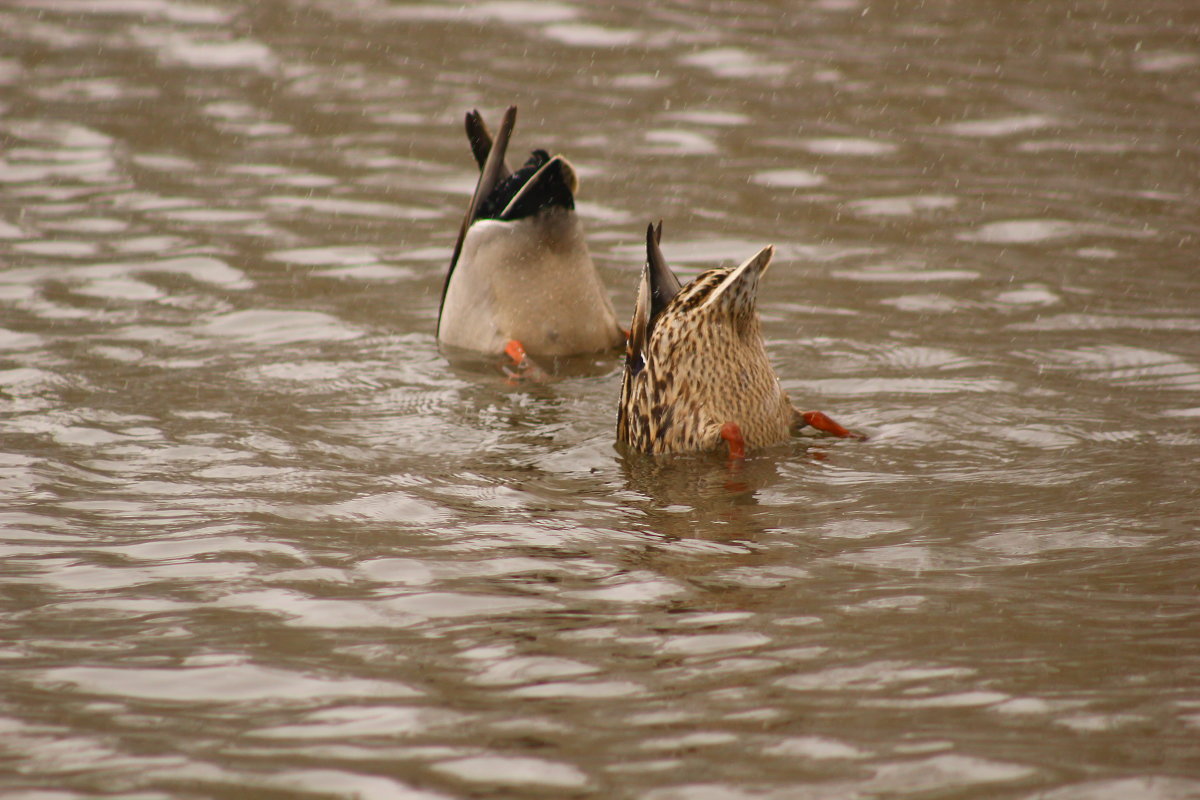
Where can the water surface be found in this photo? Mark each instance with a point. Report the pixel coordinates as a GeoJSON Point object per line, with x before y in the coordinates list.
{"type": "Point", "coordinates": [259, 538]}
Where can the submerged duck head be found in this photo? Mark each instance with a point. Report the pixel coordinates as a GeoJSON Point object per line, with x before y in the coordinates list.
{"type": "Point", "coordinates": [521, 270]}
{"type": "Point", "coordinates": [696, 363]}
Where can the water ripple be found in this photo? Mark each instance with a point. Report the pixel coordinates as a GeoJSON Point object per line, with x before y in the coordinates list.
{"type": "Point", "coordinates": [339, 724]}
{"type": "Point", "coordinates": [234, 683]}
{"type": "Point", "coordinates": [264, 328]}
{"type": "Point", "coordinates": [204, 51]}
{"type": "Point", "coordinates": [260, 536]}
{"type": "Point", "coordinates": [512, 771]}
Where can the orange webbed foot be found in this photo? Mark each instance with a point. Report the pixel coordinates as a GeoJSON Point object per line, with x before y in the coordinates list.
{"type": "Point", "coordinates": [516, 351]}
{"type": "Point", "coordinates": [523, 368]}
{"type": "Point", "coordinates": [822, 422]}
{"type": "Point", "coordinates": [731, 432]}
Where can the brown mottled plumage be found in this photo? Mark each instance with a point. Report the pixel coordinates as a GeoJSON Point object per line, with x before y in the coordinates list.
{"type": "Point", "coordinates": [696, 368]}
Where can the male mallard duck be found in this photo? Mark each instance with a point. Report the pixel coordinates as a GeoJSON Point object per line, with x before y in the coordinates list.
{"type": "Point", "coordinates": [696, 368]}
{"type": "Point", "coordinates": [521, 279]}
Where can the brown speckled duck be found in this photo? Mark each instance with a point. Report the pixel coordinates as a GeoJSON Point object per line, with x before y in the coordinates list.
{"type": "Point", "coordinates": [521, 279]}
{"type": "Point", "coordinates": [697, 376]}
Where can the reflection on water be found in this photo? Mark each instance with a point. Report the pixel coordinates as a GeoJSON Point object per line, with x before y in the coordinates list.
{"type": "Point", "coordinates": [258, 536]}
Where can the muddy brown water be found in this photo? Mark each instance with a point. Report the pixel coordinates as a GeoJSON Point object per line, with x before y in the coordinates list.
{"type": "Point", "coordinates": [259, 538]}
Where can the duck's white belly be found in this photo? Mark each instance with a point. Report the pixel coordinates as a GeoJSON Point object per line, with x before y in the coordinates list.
{"type": "Point", "coordinates": [531, 280]}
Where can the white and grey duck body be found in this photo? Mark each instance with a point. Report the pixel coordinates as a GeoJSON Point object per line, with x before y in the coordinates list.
{"type": "Point", "coordinates": [521, 271]}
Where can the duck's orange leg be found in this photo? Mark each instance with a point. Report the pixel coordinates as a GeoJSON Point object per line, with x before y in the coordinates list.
{"type": "Point", "coordinates": [732, 434]}
{"type": "Point", "coordinates": [822, 422]}
{"type": "Point", "coordinates": [523, 366]}
{"type": "Point", "coordinates": [516, 351]}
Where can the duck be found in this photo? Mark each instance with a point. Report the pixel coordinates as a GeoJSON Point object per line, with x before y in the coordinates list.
{"type": "Point", "coordinates": [697, 377]}
{"type": "Point", "coordinates": [521, 279]}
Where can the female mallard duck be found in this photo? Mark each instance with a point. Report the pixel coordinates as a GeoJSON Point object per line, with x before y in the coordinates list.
{"type": "Point", "coordinates": [696, 369]}
{"type": "Point", "coordinates": [521, 279]}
